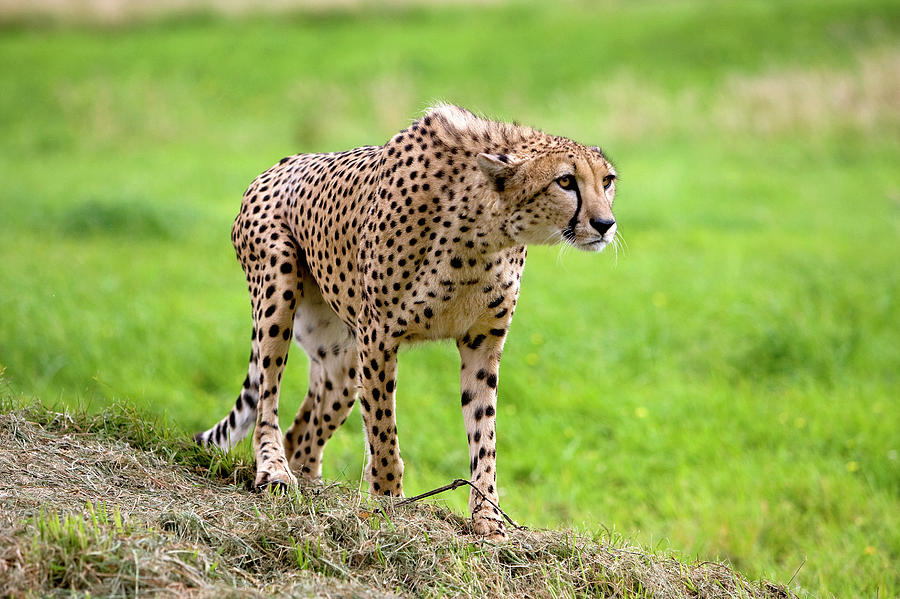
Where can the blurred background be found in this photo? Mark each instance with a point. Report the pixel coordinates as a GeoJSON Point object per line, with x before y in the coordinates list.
{"type": "Point", "coordinates": [727, 388]}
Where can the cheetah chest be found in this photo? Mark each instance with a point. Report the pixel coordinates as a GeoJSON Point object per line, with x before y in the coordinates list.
{"type": "Point", "coordinates": [449, 303]}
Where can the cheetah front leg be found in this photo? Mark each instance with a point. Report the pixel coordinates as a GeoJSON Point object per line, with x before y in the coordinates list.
{"type": "Point", "coordinates": [480, 352]}
{"type": "Point", "coordinates": [377, 383]}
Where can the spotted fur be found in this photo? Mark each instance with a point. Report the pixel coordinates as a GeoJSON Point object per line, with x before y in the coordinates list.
{"type": "Point", "coordinates": [355, 253]}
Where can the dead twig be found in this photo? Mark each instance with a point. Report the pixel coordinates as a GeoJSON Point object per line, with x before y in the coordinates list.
{"type": "Point", "coordinates": [459, 482]}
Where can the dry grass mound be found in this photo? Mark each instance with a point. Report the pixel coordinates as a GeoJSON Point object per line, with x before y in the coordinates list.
{"type": "Point", "coordinates": [111, 505]}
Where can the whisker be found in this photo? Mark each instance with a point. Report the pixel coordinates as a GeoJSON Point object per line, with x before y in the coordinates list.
{"type": "Point", "coordinates": [559, 238]}
{"type": "Point", "coordinates": [621, 237]}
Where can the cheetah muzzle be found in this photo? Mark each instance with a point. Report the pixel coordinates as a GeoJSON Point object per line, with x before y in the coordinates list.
{"type": "Point", "coordinates": [355, 253]}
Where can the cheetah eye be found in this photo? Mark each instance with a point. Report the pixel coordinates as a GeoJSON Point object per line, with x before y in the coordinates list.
{"type": "Point", "coordinates": [608, 181]}
{"type": "Point", "coordinates": [567, 182]}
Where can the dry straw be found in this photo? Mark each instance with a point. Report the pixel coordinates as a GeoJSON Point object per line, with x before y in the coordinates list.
{"type": "Point", "coordinates": [112, 506]}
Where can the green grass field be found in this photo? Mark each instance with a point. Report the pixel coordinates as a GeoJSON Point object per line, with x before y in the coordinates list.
{"type": "Point", "coordinates": [726, 388]}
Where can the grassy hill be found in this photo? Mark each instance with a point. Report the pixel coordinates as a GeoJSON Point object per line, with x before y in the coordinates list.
{"type": "Point", "coordinates": [725, 389]}
{"type": "Point", "coordinates": [113, 505]}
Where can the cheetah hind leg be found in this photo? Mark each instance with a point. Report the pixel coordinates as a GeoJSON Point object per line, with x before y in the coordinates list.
{"type": "Point", "coordinates": [275, 285]}
{"type": "Point", "coordinates": [332, 387]}
{"type": "Point", "coordinates": [331, 349]}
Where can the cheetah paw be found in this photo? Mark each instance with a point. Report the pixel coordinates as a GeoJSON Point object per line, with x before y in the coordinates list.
{"type": "Point", "coordinates": [277, 480]}
{"type": "Point", "coordinates": [490, 530]}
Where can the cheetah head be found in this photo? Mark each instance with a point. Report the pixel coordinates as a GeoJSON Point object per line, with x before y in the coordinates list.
{"type": "Point", "coordinates": [561, 196]}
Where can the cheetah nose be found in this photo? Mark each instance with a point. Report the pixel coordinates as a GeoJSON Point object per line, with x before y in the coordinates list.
{"type": "Point", "coordinates": [602, 224]}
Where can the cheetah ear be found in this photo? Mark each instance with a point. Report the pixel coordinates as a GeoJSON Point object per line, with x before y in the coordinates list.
{"type": "Point", "coordinates": [498, 168]}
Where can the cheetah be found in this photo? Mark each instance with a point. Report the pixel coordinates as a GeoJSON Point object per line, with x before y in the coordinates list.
{"type": "Point", "coordinates": [356, 253]}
